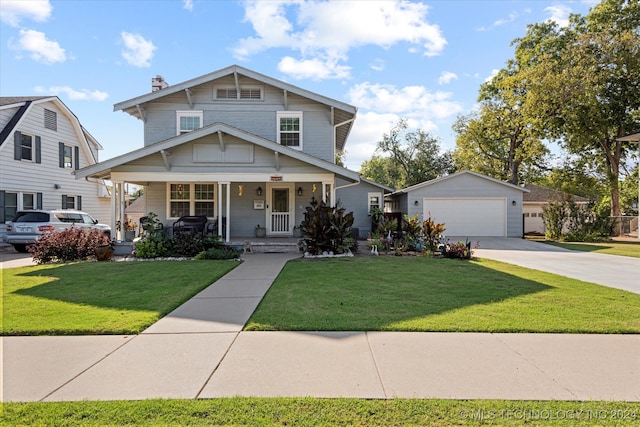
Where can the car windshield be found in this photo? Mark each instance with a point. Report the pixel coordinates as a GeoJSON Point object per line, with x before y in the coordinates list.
{"type": "Point", "coordinates": [32, 217]}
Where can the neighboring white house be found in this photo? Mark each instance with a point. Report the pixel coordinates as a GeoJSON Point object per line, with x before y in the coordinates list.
{"type": "Point", "coordinates": [533, 204]}
{"type": "Point", "coordinates": [41, 144]}
{"type": "Point", "coordinates": [241, 148]}
{"type": "Point", "coordinates": [468, 203]}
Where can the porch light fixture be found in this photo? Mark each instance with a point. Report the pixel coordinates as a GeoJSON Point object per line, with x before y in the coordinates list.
{"type": "Point", "coordinates": [259, 191]}
{"type": "Point", "coordinates": [299, 191]}
{"type": "Point", "coordinates": [313, 188]}
{"type": "Point", "coordinates": [513, 202]}
{"type": "Point", "coordinates": [415, 203]}
{"type": "Point", "coordinates": [240, 189]}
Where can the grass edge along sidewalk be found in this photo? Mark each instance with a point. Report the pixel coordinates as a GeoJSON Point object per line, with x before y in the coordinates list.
{"type": "Point", "coordinates": [320, 412]}
{"type": "Point", "coordinates": [439, 295]}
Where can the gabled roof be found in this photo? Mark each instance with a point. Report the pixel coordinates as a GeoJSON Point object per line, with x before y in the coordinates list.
{"type": "Point", "coordinates": [102, 170]}
{"type": "Point", "coordinates": [465, 172]}
{"type": "Point", "coordinates": [543, 195]}
{"type": "Point", "coordinates": [25, 103]}
{"type": "Point", "coordinates": [343, 112]}
{"type": "Point", "coordinates": [382, 187]}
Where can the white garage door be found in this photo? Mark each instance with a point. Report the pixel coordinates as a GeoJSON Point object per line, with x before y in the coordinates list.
{"type": "Point", "coordinates": [469, 216]}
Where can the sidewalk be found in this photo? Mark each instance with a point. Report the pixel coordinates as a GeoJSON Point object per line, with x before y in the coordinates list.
{"type": "Point", "coordinates": [199, 351]}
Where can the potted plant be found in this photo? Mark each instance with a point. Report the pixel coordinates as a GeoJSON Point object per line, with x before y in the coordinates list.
{"type": "Point", "coordinates": [129, 230]}
{"type": "Point", "coordinates": [297, 231]}
{"type": "Point", "coordinates": [260, 231]}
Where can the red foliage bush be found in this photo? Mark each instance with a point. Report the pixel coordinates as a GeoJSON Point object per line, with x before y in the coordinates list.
{"type": "Point", "coordinates": [72, 244]}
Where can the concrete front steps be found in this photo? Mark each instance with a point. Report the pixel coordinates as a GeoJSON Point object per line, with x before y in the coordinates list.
{"type": "Point", "coordinates": [269, 245]}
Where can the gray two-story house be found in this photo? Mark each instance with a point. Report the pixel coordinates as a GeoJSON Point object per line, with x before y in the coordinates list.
{"type": "Point", "coordinates": [242, 149]}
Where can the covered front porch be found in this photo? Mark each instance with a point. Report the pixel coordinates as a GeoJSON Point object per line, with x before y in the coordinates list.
{"type": "Point", "coordinates": [237, 208]}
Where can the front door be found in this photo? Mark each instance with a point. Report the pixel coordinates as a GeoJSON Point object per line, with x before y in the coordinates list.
{"type": "Point", "coordinates": [280, 209]}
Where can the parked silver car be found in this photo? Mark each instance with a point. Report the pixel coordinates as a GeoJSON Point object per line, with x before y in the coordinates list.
{"type": "Point", "coordinates": [29, 225]}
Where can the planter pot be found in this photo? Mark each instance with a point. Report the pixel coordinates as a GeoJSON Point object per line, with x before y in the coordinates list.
{"type": "Point", "coordinates": [104, 252]}
{"type": "Point", "coordinates": [261, 232]}
{"type": "Point", "coordinates": [129, 235]}
{"type": "Point", "coordinates": [297, 232]}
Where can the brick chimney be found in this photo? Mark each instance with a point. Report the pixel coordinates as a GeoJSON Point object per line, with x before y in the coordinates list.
{"type": "Point", "coordinates": [158, 83]}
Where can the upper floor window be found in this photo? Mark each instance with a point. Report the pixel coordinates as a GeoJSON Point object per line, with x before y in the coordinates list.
{"type": "Point", "coordinates": [188, 121]}
{"type": "Point", "coordinates": [26, 147]}
{"type": "Point", "coordinates": [69, 156]}
{"type": "Point", "coordinates": [290, 128]}
{"type": "Point", "coordinates": [254, 93]}
{"type": "Point", "coordinates": [50, 120]}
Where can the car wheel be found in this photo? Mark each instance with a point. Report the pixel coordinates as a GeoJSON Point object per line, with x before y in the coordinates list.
{"type": "Point", "coordinates": [21, 248]}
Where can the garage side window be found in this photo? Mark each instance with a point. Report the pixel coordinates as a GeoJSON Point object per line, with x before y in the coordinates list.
{"type": "Point", "coordinates": [375, 201]}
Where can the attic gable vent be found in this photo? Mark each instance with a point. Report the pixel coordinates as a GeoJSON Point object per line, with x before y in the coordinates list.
{"type": "Point", "coordinates": [246, 93]}
{"type": "Point", "coordinates": [50, 120]}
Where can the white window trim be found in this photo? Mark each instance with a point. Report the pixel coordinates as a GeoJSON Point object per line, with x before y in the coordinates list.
{"type": "Point", "coordinates": [238, 98]}
{"type": "Point", "coordinates": [33, 147]}
{"type": "Point", "coordinates": [192, 198]}
{"type": "Point", "coordinates": [380, 201]}
{"type": "Point", "coordinates": [188, 113]}
{"type": "Point", "coordinates": [289, 114]}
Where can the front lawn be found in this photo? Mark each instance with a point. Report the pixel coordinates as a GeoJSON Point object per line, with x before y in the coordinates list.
{"type": "Point", "coordinates": [631, 249]}
{"type": "Point", "coordinates": [427, 294]}
{"type": "Point", "coordinates": [99, 297]}
{"type": "Point", "coordinates": [240, 411]}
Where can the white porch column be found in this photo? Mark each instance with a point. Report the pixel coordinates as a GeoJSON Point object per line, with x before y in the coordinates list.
{"type": "Point", "coordinates": [221, 185]}
{"type": "Point", "coordinates": [114, 206]}
{"type": "Point", "coordinates": [228, 230]}
{"type": "Point", "coordinates": [327, 187]}
{"type": "Point", "coordinates": [122, 208]}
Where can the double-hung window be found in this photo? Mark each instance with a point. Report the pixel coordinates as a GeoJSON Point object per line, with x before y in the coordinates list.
{"type": "Point", "coordinates": [375, 201]}
{"type": "Point", "coordinates": [191, 199]}
{"type": "Point", "coordinates": [188, 121]}
{"type": "Point", "coordinates": [26, 147]}
{"type": "Point", "coordinates": [290, 128]}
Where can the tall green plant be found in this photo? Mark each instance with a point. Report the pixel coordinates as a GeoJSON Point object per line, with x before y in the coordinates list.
{"type": "Point", "coordinates": [326, 228]}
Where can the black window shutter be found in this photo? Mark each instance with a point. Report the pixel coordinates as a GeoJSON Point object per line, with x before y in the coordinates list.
{"type": "Point", "coordinates": [38, 147]}
{"type": "Point", "coordinates": [1, 206]}
{"type": "Point", "coordinates": [64, 201]}
{"type": "Point", "coordinates": [61, 153]}
{"type": "Point", "coordinates": [38, 200]}
{"type": "Point", "coordinates": [79, 202]}
{"type": "Point", "coordinates": [76, 156]}
{"type": "Point", "coordinates": [17, 145]}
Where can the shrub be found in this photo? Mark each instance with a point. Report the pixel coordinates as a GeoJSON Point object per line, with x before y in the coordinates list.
{"type": "Point", "coordinates": [458, 250]}
{"type": "Point", "coordinates": [218, 253]}
{"type": "Point", "coordinates": [327, 229]}
{"type": "Point", "coordinates": [554, 217]}
{"type": "Point", "coordinates": [72, 244]}
{"type": "Point", "coordinates": [187, 244]}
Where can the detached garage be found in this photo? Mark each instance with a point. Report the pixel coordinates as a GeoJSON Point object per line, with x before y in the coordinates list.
{"type": "Point", "coordinates": [468, 203]}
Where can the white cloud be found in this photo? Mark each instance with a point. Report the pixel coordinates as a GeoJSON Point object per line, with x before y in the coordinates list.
{"type": "Point", "coordinates": [377, 64]}
{"type": "Point", "coordinates": [367, 130]}
{"type": "Point", "coordinates": [502, 21]}
{"type": "Point", "coordinates": [39, 47]}
{"type": "Point", "coordinates": [494, 73]}
{"type": "Point", "coordinates": [73, 94]}
{"type": "Point", "coordinates": [559, 13]}
{"type": "Point", "coordinates": [313, 68]}
{"type": "Point", "coordinates": [13, 11]}
{"type": "Point", "coordinates": [138, 51]}
{"type": "Point", "coordinates": [188, 4]}
{"type": "Point", "coordinates": [411, 102]}
{"type": "Point", "coordinates": [328, 30]}
{"type": "Point", "coordinates": [447, 77]}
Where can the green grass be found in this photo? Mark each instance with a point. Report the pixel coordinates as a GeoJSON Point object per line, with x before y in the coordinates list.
{"type": "Point", "coordinates": [320, 412]}
{"type": "Point", "coordinates": [99, 297]}
{"type": "Point", "coordinates": [630, 249]}
{"type": "Point", "coordinates": [427, 294]}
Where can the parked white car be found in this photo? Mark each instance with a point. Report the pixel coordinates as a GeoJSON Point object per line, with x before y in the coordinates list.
{"type": "Point", "coordinates": [29, 225]}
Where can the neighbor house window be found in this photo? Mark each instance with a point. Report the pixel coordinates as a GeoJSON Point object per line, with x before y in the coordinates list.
{"type": "Point", "coordinates": [253, 93]}
{"type": "Point", "coordinates": [50, 120]}
{"type": "Point", "coordinates": [69, 202]}
{"type": "Point", "coordinates": [67, 157]}
{"type": "Point", "coordinates": [290, 128]}
{"type": "Point", "coordinates": [188, 121]}
{"type": "Point", "coordinates": [26, 147]}
{"type": "Point", "coordinates": [375, 201]}
{"type": "Point", "coordinates": [191, 199]}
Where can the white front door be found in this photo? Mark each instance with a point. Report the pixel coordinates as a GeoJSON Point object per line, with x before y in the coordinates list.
{"type": "Point", "coordinates": [280, 209]}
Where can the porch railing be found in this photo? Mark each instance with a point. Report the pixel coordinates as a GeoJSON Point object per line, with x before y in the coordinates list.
{"type": "Point", "coordinates": [280, 222]}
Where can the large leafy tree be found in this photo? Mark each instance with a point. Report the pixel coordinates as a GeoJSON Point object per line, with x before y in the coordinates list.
{"type": "Point", "coordinates": [585, 90]}
{"type": "Point", "coordinates": [414, 156]}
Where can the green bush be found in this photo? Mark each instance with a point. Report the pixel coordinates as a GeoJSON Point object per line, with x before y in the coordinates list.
{"type": "Point", "coordinates": [72, 244]}
{"type": "Point", "coordinates": [327, 229]}
{"type": "Point", "coordinates": [218, 253]}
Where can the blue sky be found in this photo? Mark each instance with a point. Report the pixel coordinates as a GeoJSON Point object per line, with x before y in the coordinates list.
{"type": "Point", "coordinates": [422, 61]}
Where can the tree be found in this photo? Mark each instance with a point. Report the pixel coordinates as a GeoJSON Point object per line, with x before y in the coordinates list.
{"type": "Point", "coordinates": [499, 141]}
{"type": "Point", "coordinates": [586, 91]}
{"type": "Point", "coordinates": [383, 171]}
{"type": "Point", "coordinates": [417, 158]}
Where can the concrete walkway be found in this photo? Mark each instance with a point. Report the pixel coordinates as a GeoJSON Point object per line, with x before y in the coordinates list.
{"type": "Point", "coordinates": [199, 351]}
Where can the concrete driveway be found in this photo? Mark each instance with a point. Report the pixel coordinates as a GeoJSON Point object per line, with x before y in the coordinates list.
{"type": "Point", "coordinates": [10, 258]}
{"type": "Point", "coordinates": [608, 270]}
